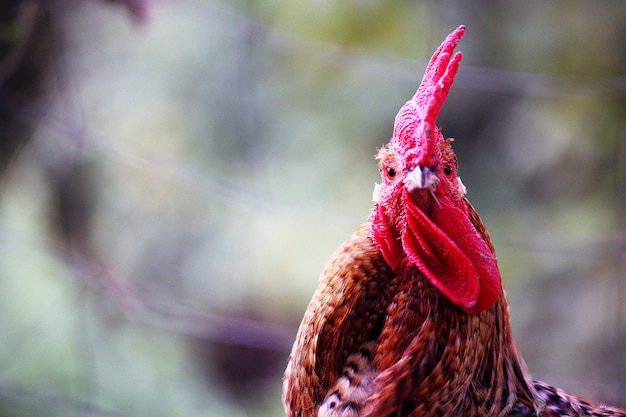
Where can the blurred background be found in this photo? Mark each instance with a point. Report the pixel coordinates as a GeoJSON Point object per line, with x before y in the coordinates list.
{"type": "Point", "coordinates": [175, 174]}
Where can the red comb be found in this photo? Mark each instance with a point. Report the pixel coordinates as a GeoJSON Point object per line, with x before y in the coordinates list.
{"type": "Point", "coordinates": [415, 129]}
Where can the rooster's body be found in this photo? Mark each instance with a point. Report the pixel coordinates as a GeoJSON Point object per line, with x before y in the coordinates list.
{"type": "Point", "coordinates": [409, 317]}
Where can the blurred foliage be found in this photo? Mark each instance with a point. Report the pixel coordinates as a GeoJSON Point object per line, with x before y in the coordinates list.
{"type": "Point", "coordinates": [176, 173]}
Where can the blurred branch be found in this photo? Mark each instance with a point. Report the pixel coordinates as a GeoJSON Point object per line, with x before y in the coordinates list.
{"type": "Point", "coordinates": [22, 32]}
{"type": "Point", "coordinates": [229, 330]}
{"type": "Point", "coordinates": [47, 402]}
{"type": "Point", "coordinates": [177, 318]}
{"type": "Point", "coordinates": [139, 10]}
{"type": "Point", "coordinates": [470, 77]}
{"type": "Point", "coordinates": [217, 187]}
{"type": "Point", "coordinates": [605, 248]}
{"type": "Point", "coordinates": [96, 276]}
{"type": "Point", "coordinates": [162, 166]}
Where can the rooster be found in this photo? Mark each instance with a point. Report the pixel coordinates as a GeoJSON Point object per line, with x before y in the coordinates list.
{"type": "Point", "coordinates": [409, 317]}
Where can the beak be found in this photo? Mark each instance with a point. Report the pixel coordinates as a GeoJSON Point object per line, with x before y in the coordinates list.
{"type": "Point", "coordinates": [419, 178]}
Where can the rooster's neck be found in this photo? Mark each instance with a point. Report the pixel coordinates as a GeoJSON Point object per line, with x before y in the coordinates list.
{"type": "Point", "coordinates": [447, 353]}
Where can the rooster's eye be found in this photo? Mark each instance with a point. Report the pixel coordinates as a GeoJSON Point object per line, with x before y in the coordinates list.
{"type": "Point", "coordinates": [391, 173]}
{"type": "Point", "coordinates": [447, 170]}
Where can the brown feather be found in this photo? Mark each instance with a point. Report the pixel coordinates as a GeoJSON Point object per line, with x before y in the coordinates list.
{"type": "Point", "coordinates": [409, 317]}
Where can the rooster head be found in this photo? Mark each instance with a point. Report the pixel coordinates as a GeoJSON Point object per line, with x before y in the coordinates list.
{"type": "Point", "coordinates": [421, 217]}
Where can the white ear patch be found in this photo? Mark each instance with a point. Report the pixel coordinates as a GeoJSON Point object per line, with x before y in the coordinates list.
{"type": "Point", "coordinates": [376, 194]}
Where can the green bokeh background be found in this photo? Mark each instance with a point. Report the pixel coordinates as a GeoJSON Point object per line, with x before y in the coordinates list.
{"type": "Point", "coordinates": [172, 185]}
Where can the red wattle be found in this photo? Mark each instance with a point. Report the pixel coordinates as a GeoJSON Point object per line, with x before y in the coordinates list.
{"type": "Point", "coordinates": [451, 254]}
{"type": "Point", "coordinates": [383, 237]}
